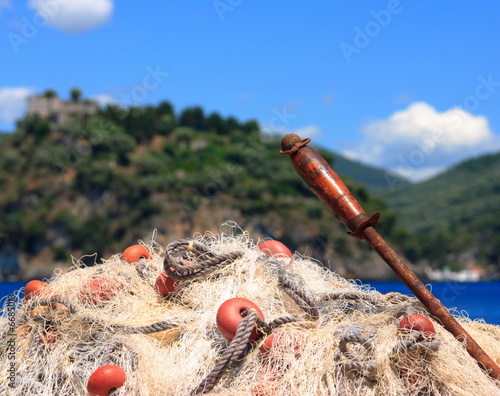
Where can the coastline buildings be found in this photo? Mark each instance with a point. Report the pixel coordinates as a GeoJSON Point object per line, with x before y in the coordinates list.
{"type": "Point", "coordinates": [57, 110]}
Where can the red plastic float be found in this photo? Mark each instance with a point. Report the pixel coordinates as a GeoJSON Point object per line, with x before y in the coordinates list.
{"type": "Point", "coordinates": [50, 337]}
{"type": "Point", "coordinates": [274, 248]}
{"type": "Point", "coordinates": [34, 288]}
{"type": "Point", "coordinates": [266, 386]}
{"type": "Point", "coordinates": [417, 322]}
{"type": "Point", "coordinates": [133, 254]}
{"type": "Point", "coordinates": [410, 376]}
{"type": "Point", "coordinates": [106, 378]}
{"type": "Point", "coordinates": [282, 343]}
{"type": "Point", "coordinates": [97, 291]}
{"type": "Point", "coordinates": [165, 284]}
{"type": "Point", "coordinates": [229, 317]}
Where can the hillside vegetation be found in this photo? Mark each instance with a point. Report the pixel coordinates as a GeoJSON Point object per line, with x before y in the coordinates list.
{"type": "Point", "coordinates": [100, 183]}
{"type": "Point", "coordinates": [454, 215]}
{"type": "Point", "coordinates": [374, 179]}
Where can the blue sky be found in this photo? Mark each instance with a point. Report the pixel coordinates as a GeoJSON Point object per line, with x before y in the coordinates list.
{"type": "Point", "coordinates": [411, 86]}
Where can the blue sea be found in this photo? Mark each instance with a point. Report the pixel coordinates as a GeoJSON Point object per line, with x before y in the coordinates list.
{"type": "Point", "coordinates": [479, 300]}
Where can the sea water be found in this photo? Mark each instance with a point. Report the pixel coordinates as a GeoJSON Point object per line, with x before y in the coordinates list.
{"type": "Point", "coordinates": [477, 300]}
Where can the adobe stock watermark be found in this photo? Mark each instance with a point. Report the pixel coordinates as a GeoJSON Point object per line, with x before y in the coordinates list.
{"type": "Point", "coordinates": [426, 147]}
{"type": "Point", "coordinates": [280, 120]}
{"type": "Point", "coordinates": [31, 26]}
{"type": "Point", "coordinates": [451, 292]}
{"type": "Point", "coordinates": [11, 341]}
{"type": "Point", "coordinates": [363, 36]}
{"type": "Point", "coordinates": [222, 7]}
{"type": "Point", "coordinates": [151, 81]}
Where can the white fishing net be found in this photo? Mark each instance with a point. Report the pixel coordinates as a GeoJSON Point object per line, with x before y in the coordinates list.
{"type": "Point", "coordinates": [353, 347]}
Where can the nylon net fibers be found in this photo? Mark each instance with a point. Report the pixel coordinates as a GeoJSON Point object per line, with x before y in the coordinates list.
{"type": "Point", "coordinates": [308, 332]}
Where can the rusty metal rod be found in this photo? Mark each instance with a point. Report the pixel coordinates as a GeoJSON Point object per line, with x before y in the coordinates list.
{"type": "Point", "coordinates": [326, 184]}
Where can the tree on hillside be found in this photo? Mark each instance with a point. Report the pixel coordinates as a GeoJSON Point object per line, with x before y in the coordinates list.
{"type": "Point", "coordinates": [193, 117]}
{"type": "Point", "coordinates": [50, 93]}
{"type": "Point", "coordinates": [216, 122]}
{"type": "Point", "coordinates": [165, 107]}
{"type": "Point", "coordinates": [76, 94]}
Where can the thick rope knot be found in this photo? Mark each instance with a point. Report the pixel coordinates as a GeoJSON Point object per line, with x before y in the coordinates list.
{"type": "Point", "coordinates": [355, 362]}
{"type": "Point", "coordinates": [201, 260]}
{"type": "Point", "coordinates": [237, 350]}
{"type": "Point", "coordinates": [416, 341]}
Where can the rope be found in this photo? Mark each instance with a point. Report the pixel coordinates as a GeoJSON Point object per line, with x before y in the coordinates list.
{"type": "Point", "coordinates": [354, 364]}
{"type": "Point", "coordinates": [267, 328]}
{"type": "Point", "coordinates": [148, 329]}
{"type": "Point", "coordinates": [143, 269]}
{"type": "Point", "coordinates": [356, 296]}
{"type": "Point", "coordinates": [236, 350]}
{"type": "Point", "coordinates": [416, 342]}
{"type": "Point", "coordinates": [303, 299]}
{"type": "Point", "coordinates": [55, 300]}
{"type": "Point", "coordinates": [209, 260]}
{"type": "Point", "coordinates": [126, 329]}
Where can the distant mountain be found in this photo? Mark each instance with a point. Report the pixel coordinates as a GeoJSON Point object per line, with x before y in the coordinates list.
{"type": "Point", "coordinates": [375, 179]}
{"type": "Point", "coordinates": [454, 213]}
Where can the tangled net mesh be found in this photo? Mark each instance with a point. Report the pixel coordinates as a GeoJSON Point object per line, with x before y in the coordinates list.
{"type": "Point", "coordinates": [352, 346]}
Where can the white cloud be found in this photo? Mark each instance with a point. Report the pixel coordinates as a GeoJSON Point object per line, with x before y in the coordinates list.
{"type": "Point", "coordinates": [309, 131]}
{"type": "Point", "coordinates": [419, 142]}
{"type": "Point", "coordinates": [104, 99]}
{"type": "Point", "coordinates": [74, 16]}
{"type": "Point", "coordinates": [13, 104]}
{"type": "Point", "coordinates": [7, 4]}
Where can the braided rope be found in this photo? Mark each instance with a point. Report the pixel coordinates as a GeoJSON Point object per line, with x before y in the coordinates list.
{"type": "Point", "coordinates": [416, 341]}
{"type": "Point", "coordinates": [143, 268]}
{"type": "Point", "coordinates": [357, 296]}
{"type": "Point", "coordinates": [236, 350]}
{"type": "Point", "coordinates": [126, 329]}
{"type": "Point", "coordinates": [107, 356]}
{"type": "Point", "coordinates": [354, 364]}
{"type": "Point", "coordinates": [273, 324]}
{"type": "Point", "coordinates": [366, 368]}
{"type": "Point", "coordinates": [268, 327]}
{"type": "Point", "coordinates": [55, 300]}
{"type": "Point", "coordinates": [148, 329]}
{"type": "Point", "coordinates": [209, 261]}
{"type": "Point", "coordinates": [303, 299]}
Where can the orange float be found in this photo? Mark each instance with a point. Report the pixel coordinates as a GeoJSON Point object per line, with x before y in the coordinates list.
{"type": "Point", "coordinates": [50, 337]}
{"type": "Point", "coordinates": [266, 386]}
{"type": "Point", "coordinates": [106, 378]}
{"type": "Point", "coordinates": [97, 291]}
{"type": "Point", "coordinates": [283, 344]}
{"type": "Point", "coordinates": [34, 288]}
{"type": "Point", "coordinates": [275, 248]}
{"type": "Point", "coordinates": [229, 317]}
{"type": "Point", "coordinates": [133, 254]}
{"type": "Point", "coordinates": [165, 284]}
{"type": "Point", "coordinates": [419, 323]}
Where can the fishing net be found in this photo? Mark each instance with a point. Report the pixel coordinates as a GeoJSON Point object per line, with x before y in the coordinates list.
{"type": "Point", "coordinates": [330, 336]}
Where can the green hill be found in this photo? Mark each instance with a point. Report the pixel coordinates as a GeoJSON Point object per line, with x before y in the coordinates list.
{"type": "Point", "coordinates": [99, 183]}
{"type": "Point", "coordinates": [373, 178]}
{"type": "Point", "coordinates": [455, 212]}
